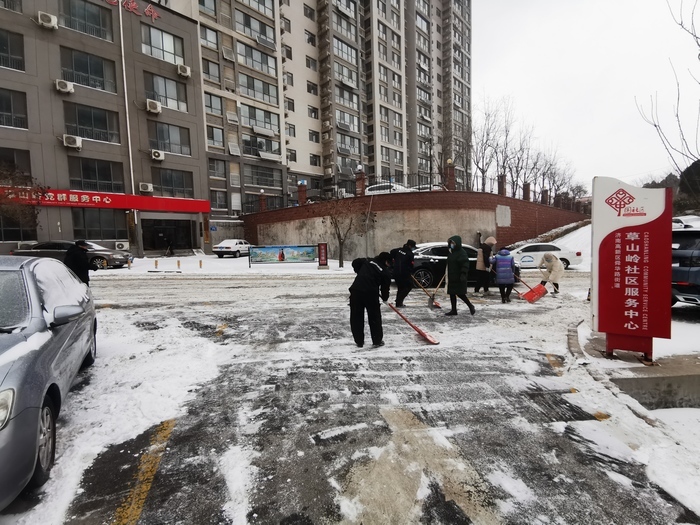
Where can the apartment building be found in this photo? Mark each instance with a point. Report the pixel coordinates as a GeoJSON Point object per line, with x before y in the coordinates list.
{"type": "Point", "coordinates": [100, 103]}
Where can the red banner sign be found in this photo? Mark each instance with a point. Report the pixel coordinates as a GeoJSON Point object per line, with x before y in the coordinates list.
{"type": "Point", "coordinates": [631, 269]}
{"type": "Point", "coordinates": [93, 199]}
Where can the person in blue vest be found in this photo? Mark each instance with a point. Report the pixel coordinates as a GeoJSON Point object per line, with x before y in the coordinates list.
{"type": "Point", "coordinates": [403, 269]}
{"type": "Point", "coordinates": [372, 281]}
{"type": "Point", "coordinates": [504, 266]}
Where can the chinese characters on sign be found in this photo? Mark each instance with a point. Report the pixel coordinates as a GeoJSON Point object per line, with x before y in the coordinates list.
{"type": "Point", "coordinates": [636, 280]}
{"type": "Point", "coordinates": [69, 197]}
{"type": "Point", "coordinates": [132, 7]}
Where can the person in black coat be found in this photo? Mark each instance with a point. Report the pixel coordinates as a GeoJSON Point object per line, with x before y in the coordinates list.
{"type": "Point", "coordinates": [403, 269]}
{"type": "Point", "coordinates": [373, 279]}
{"type": "Point", "coordinates": [77, 260]}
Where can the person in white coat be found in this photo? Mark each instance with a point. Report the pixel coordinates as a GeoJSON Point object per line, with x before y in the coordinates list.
{"type": "Point", "coordinates": [553, 270]}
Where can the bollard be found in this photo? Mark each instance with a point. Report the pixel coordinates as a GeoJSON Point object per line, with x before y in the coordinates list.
{"type": "Point", "coordinates": [178, 264]}
{"type": "Point", "coordinates": [156, 263]}
{"type": "Point", "coordinates": [200, 263]}
{"type": "Point", "coordinates": [128, 264]}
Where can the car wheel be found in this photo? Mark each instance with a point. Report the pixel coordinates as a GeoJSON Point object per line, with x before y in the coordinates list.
{"type": "Point", "coordinates": [98, 263]}
{"type": "Point", "coordinates": [565, 263]}
{"type": "Point", "coordinates": [92, 353]}
{"type": "Point", "coordinates": [47, 444]}
{"type": "Point", "coordinates": [220, 255]}
{"type": "Point", "coordinates": [236, 254]}
{"type": "Point", "coordinates": [424, 277]}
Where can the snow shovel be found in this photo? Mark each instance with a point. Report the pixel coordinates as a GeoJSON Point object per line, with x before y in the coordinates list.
{"type": "Point", "coordinates": [431, 298]}
{"type": "Point", "coordinates": [533, 294]}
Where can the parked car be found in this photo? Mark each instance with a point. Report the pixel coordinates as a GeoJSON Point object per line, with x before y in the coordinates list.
{"type": "Point", "coordinates": [386, 187]}
{"type": "Point", "coordinates": [99, 256]}
{"type": "Point", "coordinates": [685, 269]}
{"type": "Point", "coordinates": [429, 187]}
{"type": "Point", "coordinates": [530, 255]}
{"type": "Point", "coordinates": [430, 261]}
{"type": "Point", "coordinates": [686, 221]}
{"type": "Point", "coordinates": [235, 247]}
{"type": "Point", "coordinates": [47, 333]}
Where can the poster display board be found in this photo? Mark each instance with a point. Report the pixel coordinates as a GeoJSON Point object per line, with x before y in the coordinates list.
{"type": "Point", "coordinates": [283, 254]}
{"type": "Point", "coordinates": [631, 264]}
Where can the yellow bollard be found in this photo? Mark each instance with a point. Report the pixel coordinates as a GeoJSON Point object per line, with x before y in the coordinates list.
{"type": "Point", "coordinates": [128, 264]}
{"type": "Point", "coordinates": [156, 263]}
{"type": "Point", "coordinates": [200, 263]}
{"type": "Point", "coordinates": [178, 264]}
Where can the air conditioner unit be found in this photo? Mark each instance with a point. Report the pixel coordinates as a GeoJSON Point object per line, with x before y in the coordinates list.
{"type": "Point", "coordinates": [184, 71]}
{"type": "Point", "coordinates": [145, 187]}
{"type": "Point", "coordinates": [47, 20]}
{"type": "Point", "coordinates": [71, 141]}
{"type": "Point", "coordinates": [157, 154]}
{"type": "Point", "coordinates": [153, 106]}
{"type": "Point", "coordinates": [122, 245]}
{"type": "Point", "coordinates": [63, 86]}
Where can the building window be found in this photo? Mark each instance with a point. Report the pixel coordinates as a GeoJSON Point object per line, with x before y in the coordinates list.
{"type": "Point", "coordinates": [162, 45]}
{"type": "Point", "coordinates": [291, 155]}
{"type": "Point", "coordinates": [291, 130]}
{"type": "Point", "coordinates": [12, 229]}
{"type": "Point", "coordinates": [95, 175]}
{"type": "Point", "coordinates": [91, 123]}
{"type": "Point", "coordinates": [289, 78]}
{"type": "Point", "coordinates": [219, 200]}
{"type": "Point", "coordinates": [256, 88]}
{"type": "Point", "coordinates": [314, 136]}
{"type": "Point", "coordinates": [287, 52]}
{"type": "Point", "coordinates": [311, 63]}
{"type": "Point", "coordinates": [172, 183]}
{"type": "Point", "coordinates": [312, 88]}
{"type": "Point", "coordinates": [262, 176]}
{"type": "Point", "coordinates": [309, 12]}
{"type": "Point", "coordinates": [168, 92]}
{"type": "Point", "coordinates": [313, 112]}
{"type": "Point", "coordinates": [99, 223]}
{"type": "Point", "coordinates": [86, 17]}
{"type": "Point", "coordinates": [267, 7]}
{"type": "Point", "coordinates": [289, 104]}
{"type": "Point", "coordinates": [210, 70]}
{"type": "Point", "coordinates": [286, 24]}
{"type": "Point", "coordinates": [215, 137]}
{"type": "Point", "coordinates": [208, 7]}
{"type": "Point", "coordinates": [253, 145]}
{"type": "Point", "coordinates": [258, 60]}
{"type": "Point", "coordinates": [88, 70]}
{"type": "Point", "coordinates": [284, 2]}
{"type": "Point", "coordinates": [213, 104]}
{"type": "Point", "coordinates": [253, 27]}
{"type": "Point", "coordinates": [252, 116]}
{"type": "Point", "coordinates": [310, 38]}
{"type": "Point", "coordinates": [13, 109]}
{"type": "Point", "coordinates": [217, 169]}
{"type": "Point", "coordinates": [168, 137]}
{"type": "Point", "coordinates": [314, 160]}
{"type": "Point", "coordinates": [12, 5]}
{"type": "Point", "coordinates": [208, 37]}
{"type": "Point", "coordinates": [11, 50]}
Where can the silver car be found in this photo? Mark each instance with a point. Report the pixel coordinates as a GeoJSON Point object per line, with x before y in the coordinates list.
{"type": "Point", "coordinates": [47, 333]}
{"type": "Point", "coordinates": [99, 256]}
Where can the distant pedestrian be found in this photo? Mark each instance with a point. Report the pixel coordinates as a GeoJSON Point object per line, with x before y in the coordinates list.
{"type": "Point", "coordinates": [457, 274]}
{"type": "Point", "coordinates": [553, 270]}
{"type": "Point", "coordinates": [280, 255]}
{"type": "Point", "coordinates": [77, 260]}
{"type": "Point", "coordinates": [504, 266]}
{"type": "Point", "coordinates": [403, 270]}
{"type": "Point", "coordinates": [373, 280]}
{"type": "Point", "coordinates": [483, 265]}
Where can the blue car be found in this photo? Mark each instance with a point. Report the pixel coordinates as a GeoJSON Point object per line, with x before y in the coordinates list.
{"type": "Point", "coordinates": [47, 334]}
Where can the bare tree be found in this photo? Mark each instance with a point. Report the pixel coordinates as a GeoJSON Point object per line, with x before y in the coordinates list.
{"type": "Point", "coordinates": [351, 216]}
{"type": "Point", "coordinates": [484, 139]}
{"type": "Point", "coordinates": [19, 195]}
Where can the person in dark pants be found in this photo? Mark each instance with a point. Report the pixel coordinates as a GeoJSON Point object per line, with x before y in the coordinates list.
{"type": "Point", "coordinates": [372, 280]}
{"type": "Point", "coordinates": [77, 260]}
{"type": "Point", "coordinates": [504, 266]}
{"type": "Point", "coordinates": [457, 273]}
{"type": "Point", "coordinates": [403, 268]}
{"type": "Point", "coordinates": [483, 265]}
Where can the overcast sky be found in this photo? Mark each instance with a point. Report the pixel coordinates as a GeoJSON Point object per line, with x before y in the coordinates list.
{"type": "Point", "coordinates": [573, 70]}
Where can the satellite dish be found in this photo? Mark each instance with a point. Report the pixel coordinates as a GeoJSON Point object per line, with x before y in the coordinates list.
{"type": "Point", "coordinates": [359, 168]}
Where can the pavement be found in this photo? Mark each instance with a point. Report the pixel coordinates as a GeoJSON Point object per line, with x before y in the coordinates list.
{"type": "Point", "coordinates": [667, 382]}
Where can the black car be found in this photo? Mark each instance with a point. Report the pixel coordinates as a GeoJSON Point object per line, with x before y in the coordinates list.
{"type": "Point", "coordinates": [685, 270]}
{"type": "Point", "coordinates": [430, 260]}
{"type": "Point", "coordinates": [99, 256]}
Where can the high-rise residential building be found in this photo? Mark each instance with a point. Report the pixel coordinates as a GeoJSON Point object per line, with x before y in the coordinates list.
{"type": "Point", "coordinates": [307, 91]}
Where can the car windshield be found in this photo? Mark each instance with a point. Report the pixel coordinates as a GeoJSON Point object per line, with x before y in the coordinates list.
{"type": "Point", "coordinates": [95, 246]}
{"type": "Point", "coordinates": [14, 304]}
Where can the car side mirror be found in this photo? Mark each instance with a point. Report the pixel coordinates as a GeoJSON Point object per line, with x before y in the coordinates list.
{"type": "Point", "coordinates": [65, 314]}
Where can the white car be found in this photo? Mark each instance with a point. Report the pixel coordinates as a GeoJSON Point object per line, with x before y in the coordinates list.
{"type": "Point", "coordinates": [235, 247]}
{"type": "Point", "coordinates": [386, 187]}
{"type": "Point", "coordinates": [530, 255]}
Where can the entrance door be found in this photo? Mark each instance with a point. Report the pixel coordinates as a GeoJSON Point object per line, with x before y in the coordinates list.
{"type": "Point", "coordinates": [158, 233]}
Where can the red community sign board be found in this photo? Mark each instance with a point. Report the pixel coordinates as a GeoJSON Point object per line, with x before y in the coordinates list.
{"type": "Point", "coordinates": [121, 201]}
{"type": "Point", "coordinates": [631, 266]}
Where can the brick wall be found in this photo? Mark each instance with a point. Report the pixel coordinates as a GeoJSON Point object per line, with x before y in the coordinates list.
{"type": "Point", "coordinates": [424, 216]}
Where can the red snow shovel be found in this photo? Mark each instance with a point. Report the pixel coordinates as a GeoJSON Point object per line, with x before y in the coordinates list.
{"type": "Point", "coordinates": [431, 298]}
{"type": "Point", "coordinates": [533, 294]}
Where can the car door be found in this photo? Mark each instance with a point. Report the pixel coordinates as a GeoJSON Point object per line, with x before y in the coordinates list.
{"type": "Point", "coordinates": [48, 249]}
{"type": "Point", "coordinates": [529, 256]}
{"type": "Point", "coordinates": [685, 257]}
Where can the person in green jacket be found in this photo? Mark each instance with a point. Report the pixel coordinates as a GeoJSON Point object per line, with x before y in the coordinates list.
{"type": "Point", "coordinates": [457, 273]}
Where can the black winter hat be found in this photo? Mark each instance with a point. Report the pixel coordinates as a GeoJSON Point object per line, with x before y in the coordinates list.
{"type": "Point", "coordinates": [411, 243]}
{"type": "Point", "coordinates": [82, 243]}
{"type": "Point", "coordinates": [384, 257]}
